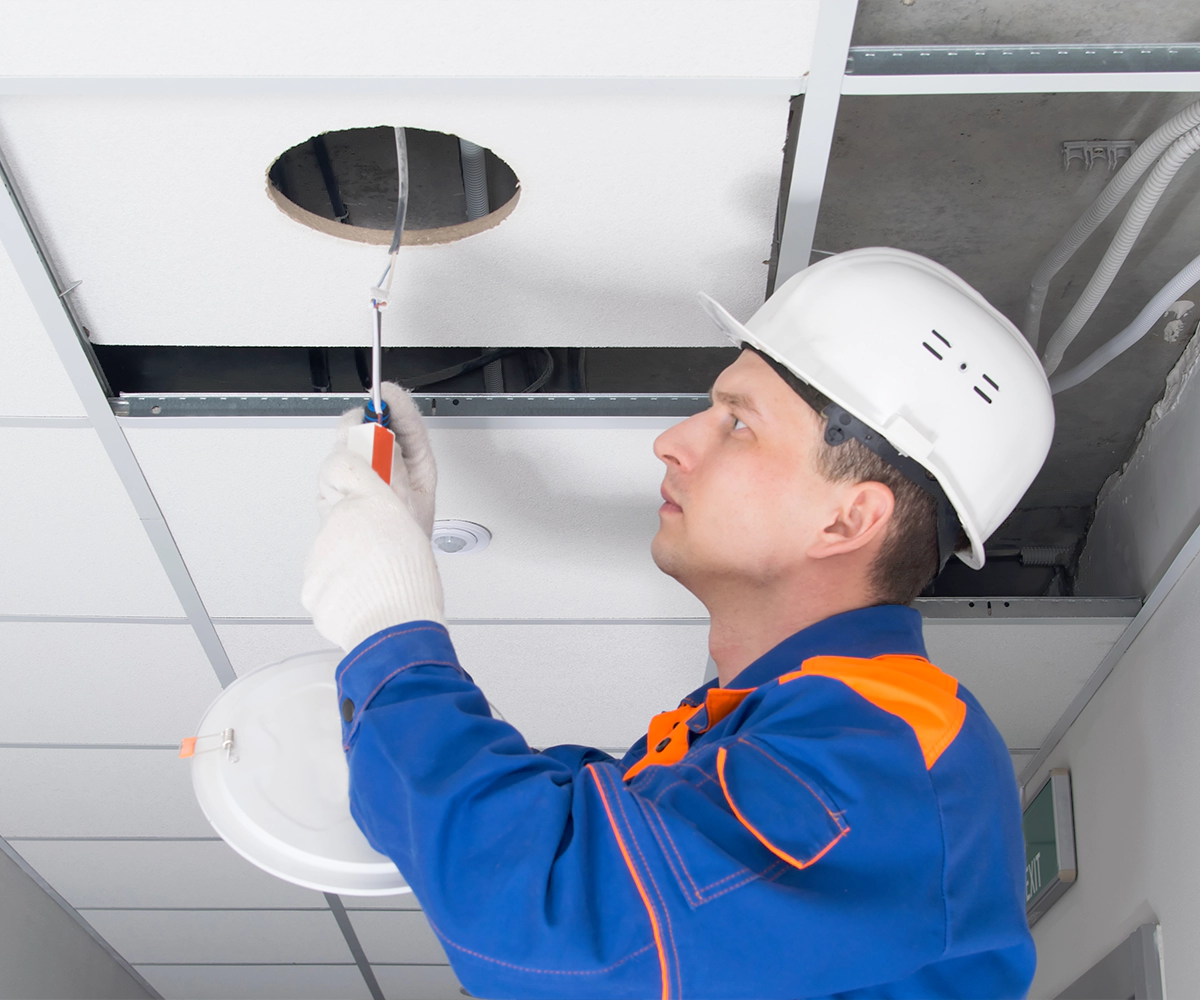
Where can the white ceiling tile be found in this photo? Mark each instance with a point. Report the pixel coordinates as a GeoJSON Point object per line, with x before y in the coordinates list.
{"type": "Point", "coordinates": [97, 793]}
{"type": "Point", "coordinates": [72, 542]}
{"type": "Point", "coordinates": [159, 873]}
{"type": "Point", "coordinates": [35, 383]}
{"type": "Point", "coordinates": [397, 936]}
{"type": "Point", "coordinates": [596, 685]}
{"type": "Point", "coordinates": [405, 901]}
{"type": "Point", "coordinates": [196, 936]}
{"type": "Point", "coordinates": [572, 512]}
{"type": "Point", "coordinates": [252, 646]}
{"type": "Point", "coordinates": [203, 256]}
{"type": "Point", "coordinates": [262, 982]}
{"type": "Point", "coordinates": [1025, 672]}
{"type": "Point", "coordinates": [70, 682]}
{"type": "Point", "coordinates": [417, 982]}
{"type": "Point", "coordinates": [542, 37]}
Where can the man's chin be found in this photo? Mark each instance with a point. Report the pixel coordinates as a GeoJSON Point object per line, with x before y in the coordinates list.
{"type": "Point", "coordinates": [666, 556]}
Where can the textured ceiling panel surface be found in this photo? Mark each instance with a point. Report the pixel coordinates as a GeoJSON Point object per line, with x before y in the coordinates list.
{"type": "Point", "coordinates": [159, 873]}
{"type": "Point", "coordinates": [58, 488]}
{"type": "Point", "coordinates": [201, 255]}
{"type": "Point", "coordinates": [1024, 673]}
{"type": "Point", "coordinates": [458, 38]}
{"type": "Point", "coordinates": [35, 384]}
{"type": "Point", "coordinates": [414, 982]}
{"type": "Point", "coordinates": [68, 682]}
{"type": "Point", "coordinates": [572, 513]}
{"type": "Point", "coordinates": [397, 936]}
{"type": "Point", "coordinates": [97, 793]}
{"type": "Point", "coordinates": [262, 982]}
{"type": "Point", "coordinates": [191, 936]}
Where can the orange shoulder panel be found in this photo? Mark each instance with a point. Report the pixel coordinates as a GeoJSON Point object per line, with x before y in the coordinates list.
{"type": "Point", "coordinates": [906, 686]}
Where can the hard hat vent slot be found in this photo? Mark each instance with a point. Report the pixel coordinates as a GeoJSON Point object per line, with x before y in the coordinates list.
{"type": "Point", "coordinates": [984, 395]}
{"type": "Point", "coordinates": [991, 383]}
{"type": "Point", "coordinates": [940, 337]}
{"type": "Point", "coordinates": [931, 350]}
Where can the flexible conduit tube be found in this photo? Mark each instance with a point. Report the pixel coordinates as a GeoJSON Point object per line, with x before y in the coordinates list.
{"type": "Point", "coordinates": [1118, 250]}
{"type": "Point", "coordinates": [1134, 332]}
{"type": "Point", "coordinates": [474, 171]}
{"type": "Point", "coordinates": [1099, 210]}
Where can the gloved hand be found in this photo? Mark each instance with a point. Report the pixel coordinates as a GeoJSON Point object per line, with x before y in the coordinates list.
{"type": "Point", "coordinates": [371, 565]}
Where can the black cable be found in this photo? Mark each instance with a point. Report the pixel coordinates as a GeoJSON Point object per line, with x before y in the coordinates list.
{"type": "Point", "coordinates": [318, 368]}
{"type": "Point", "coordinates": [545, 376]}
{"type": "Point", "coordinates": [442, 374]}
{"type": "Point", "coordinates": [330, 179]}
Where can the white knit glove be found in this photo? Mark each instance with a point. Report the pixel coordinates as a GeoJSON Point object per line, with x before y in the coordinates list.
{"type": "Point", "coordinates": [371, 565]}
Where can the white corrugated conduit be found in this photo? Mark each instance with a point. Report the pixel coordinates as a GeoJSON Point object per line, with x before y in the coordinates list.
{"type": "Point", "coordinates": [1131, 226]}
{"type": "Point", "coordinates": [1135, 331]}
{"type": "Point", "coordinates": [1099, 210]}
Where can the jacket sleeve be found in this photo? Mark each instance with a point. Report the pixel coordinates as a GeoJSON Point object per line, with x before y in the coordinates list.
{"type": "Point", "coordinates": [546, 875]}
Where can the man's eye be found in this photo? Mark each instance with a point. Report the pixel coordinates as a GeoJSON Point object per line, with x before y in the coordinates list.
{"type": "Point", "coordinates": [738, 424]}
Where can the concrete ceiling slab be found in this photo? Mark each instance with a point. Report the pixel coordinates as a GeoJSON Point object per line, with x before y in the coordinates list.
{"type": "Point", "coordinates": [977, 182]}
{"type": "Point", "coordinates": [196, 936]}
{"type": "Point", "coordinates": [160, 874]}
{"type": "Point", "coordinates": [572, 512]}
{"type": "Point", "coordinates": [263, 982]}
{"type": "Point", "coordinates": [397, 936]}
{"type": "Point", "coordinates": [58, 488]}
{"type": "Point", "coordinates": [70, 682]}
{"type": "Point", "coordinates": [1013, 22]}
{"type": "Point", "coordinates": [36, 384]}
{"type": "Point", "coordinates": [97, 793]}
{"type": "Point", "coordinates": [414, 982]}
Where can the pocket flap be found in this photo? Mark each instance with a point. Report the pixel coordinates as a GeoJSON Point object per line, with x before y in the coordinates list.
{"type": "Point", "coordinates": [785, 811]}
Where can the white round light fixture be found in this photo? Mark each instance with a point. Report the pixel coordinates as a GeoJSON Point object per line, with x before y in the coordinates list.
{"type": "Point", "coordinates": [455, 538]}
{"type": "Point", "coordinates": [271, 777]}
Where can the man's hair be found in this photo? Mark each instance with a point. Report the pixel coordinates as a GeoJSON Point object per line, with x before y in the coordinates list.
{"type": "Point", "coordinates": [908, 558]}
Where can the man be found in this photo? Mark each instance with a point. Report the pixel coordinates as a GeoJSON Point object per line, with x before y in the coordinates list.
{"type": "Point", "coordinates": [837, 816]}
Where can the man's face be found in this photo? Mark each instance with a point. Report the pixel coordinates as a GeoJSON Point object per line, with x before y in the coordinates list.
{"type": "Point", "coordinates": [743, 497]}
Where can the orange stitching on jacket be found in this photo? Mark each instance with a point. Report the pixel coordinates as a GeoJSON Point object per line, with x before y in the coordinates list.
{"type": "Point", "coordinates": [721, 755]}
{"type": "Point", "coordinates": [698, 891]}
{"type": "Point", "coordinates": [835, 816]}
{"type": "Point", "coordinates": [526, 968]}
{"type": "Point", "coordinates": [657, 891]}
{"type": "Point", "coordinates": [380, 642]}
{"type": "Point", "coordinates": [662, 957]}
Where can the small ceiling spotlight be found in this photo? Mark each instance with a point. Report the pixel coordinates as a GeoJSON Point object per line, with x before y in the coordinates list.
{"type": "Point", "coordinates": [460, 537]}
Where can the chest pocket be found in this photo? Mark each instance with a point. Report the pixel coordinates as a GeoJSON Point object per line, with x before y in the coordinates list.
{"type": "Point", "coordinates": [735, 813]}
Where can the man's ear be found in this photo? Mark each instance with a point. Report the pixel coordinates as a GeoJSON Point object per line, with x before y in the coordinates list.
{"type": "Point", "coordinates": [859, 520]}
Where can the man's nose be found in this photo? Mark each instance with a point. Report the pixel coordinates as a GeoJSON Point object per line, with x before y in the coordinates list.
{"type": "Point", "coordinates": [671, 446]}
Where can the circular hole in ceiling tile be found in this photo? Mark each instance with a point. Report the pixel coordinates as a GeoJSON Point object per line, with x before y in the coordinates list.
{"type": "Point", "coordinates": [344, 183]}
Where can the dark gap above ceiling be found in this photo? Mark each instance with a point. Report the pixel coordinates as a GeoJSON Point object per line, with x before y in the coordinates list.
{"type": "Point", "coordinates": [448, 370]}
{"type": "Point", "coordinates": [1011, 571]}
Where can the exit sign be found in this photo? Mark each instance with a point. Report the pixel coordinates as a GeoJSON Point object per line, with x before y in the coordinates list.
{"type": "Point", "coordinates": [1049, 825]}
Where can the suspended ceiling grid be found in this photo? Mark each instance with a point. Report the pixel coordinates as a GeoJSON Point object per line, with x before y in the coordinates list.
{"type": "Point", "coordinates": [564, 620]}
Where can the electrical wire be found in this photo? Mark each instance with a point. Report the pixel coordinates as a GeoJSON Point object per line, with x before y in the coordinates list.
{"type": "Point", "coordinates": [541, 380]}
{"type": "Point", "coordinates": [1118, 250]}
{"type": "Point", "coordinates": [1099, 210]}
{"type": "Point", "coordinates": [1134, 332]}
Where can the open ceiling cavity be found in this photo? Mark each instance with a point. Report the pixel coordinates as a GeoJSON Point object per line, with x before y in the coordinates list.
{"type": "Point", "coordinates": [344, 183]}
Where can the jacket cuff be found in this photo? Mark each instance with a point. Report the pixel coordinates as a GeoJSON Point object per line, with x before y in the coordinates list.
{"type": "Point", "coordinates": [382, 657]}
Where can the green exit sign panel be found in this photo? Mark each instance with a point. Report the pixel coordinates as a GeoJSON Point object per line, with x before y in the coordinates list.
{"type": "Point", "coordinates": [1049, 844]}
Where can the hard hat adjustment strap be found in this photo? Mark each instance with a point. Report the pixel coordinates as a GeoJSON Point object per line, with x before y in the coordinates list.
{"type": "Point", "coordinates": [841, 425]}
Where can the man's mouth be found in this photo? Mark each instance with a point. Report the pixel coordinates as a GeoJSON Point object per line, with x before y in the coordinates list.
{"type": "Point", "coordinates": [669, 505]}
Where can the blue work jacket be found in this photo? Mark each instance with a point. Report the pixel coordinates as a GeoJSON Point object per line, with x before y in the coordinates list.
{"type": "Point", "coordinates": [842, 820]}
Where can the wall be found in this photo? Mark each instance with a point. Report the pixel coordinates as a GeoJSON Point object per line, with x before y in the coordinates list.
{"type": "Point", "coordinates": [44, 953]}
{"type": "Point", "coordinates": [1133, 754]}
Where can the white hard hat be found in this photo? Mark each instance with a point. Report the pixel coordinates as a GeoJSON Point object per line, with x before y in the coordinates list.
{"type": "Point", "coordinates": [910, 350]}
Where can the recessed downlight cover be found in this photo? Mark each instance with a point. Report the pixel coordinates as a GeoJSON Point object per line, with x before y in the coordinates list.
{"type": "Point", "coordinates": [454, 538]}
{"type": "Point", "coordinates": [280, 795]}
